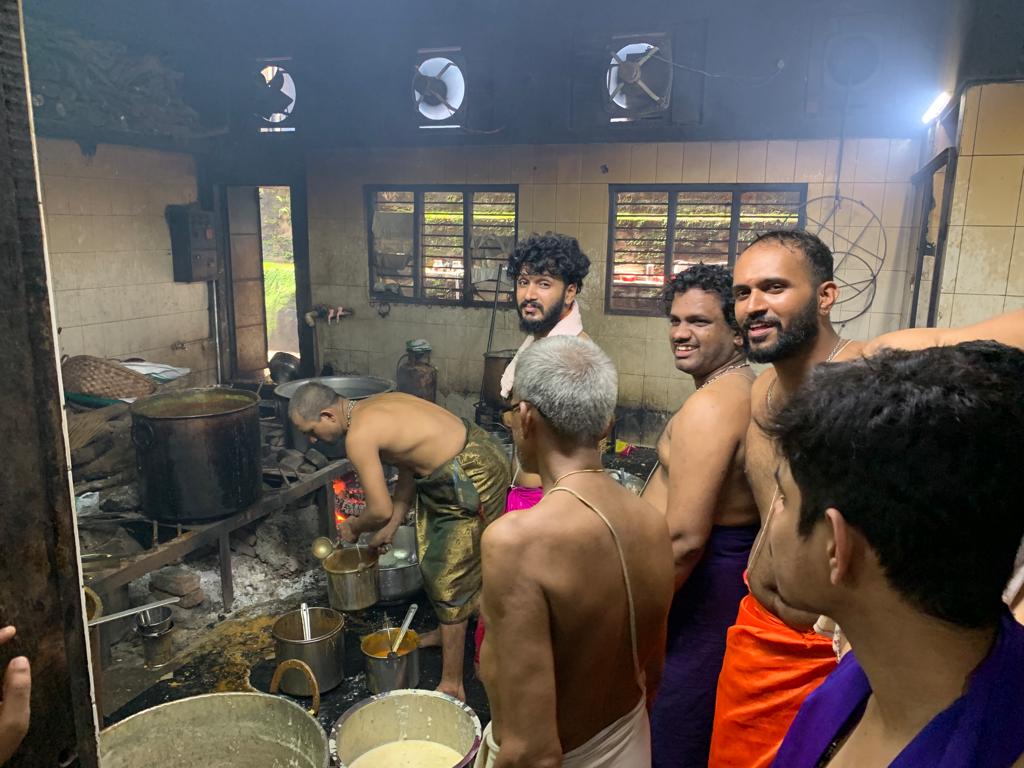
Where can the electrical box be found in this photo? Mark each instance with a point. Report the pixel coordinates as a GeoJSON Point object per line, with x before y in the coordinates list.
{"type": "Point", "coordinates": [193, 243]}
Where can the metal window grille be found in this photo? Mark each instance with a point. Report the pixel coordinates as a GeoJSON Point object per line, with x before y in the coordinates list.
{"type": "Point", "coordinates": [440, 244]}
{"type": "Point", "coordinates": [656, 231]}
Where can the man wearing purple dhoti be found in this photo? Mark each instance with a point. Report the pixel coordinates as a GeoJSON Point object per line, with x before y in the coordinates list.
{"type": "Point", "coordinates": [899, 517]}
{"type": "Point", "coordinates": [700, 486]}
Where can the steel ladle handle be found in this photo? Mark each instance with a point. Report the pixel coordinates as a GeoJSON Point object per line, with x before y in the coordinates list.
{"type": "Point", "coordinates": [303, 667]}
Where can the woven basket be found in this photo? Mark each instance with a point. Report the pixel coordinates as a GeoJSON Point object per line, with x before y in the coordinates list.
{"type": "Point", "coordinates": [89, 375]}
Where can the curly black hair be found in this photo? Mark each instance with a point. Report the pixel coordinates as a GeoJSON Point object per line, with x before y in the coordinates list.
{"type": "Point", "coordinates": [550, 254]}
{"type": "Point", "coordinates": [819, 256]}
{"type": "Point", "coordinates": [914, 449]}
{"type": "Point", "coordinates": [710, 278]}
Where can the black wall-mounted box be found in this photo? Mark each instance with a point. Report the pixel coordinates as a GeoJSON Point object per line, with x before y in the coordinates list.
{"type": "Point", "coordinates": [193, 243]}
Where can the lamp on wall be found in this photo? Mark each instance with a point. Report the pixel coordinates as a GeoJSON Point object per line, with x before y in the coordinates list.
{"type": "Point", "coordinates": [936, 107]}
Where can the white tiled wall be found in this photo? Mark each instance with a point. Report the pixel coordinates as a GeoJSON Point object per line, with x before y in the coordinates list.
{"type": "Point", "coordinates": [565, 188]}
{"type": "Point", "coordinates": [983, 273]}
{"type": "Point", "coordinates": [110, 256]}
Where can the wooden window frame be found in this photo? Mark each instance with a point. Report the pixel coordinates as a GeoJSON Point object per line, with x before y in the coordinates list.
{"type": "Point", "coordinates": [673, 191]}
{"type": "Point", "coordinates": [418, 190]}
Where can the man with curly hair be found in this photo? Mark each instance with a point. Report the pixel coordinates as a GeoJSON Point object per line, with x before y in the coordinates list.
{"type": "Point", "coordinates": [700, 486]}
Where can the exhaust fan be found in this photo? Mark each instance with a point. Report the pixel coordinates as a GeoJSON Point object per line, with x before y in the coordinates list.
{"type": "Point", "coordinates": [274, 98]}
{"type": "Point", "coordinates": [639, 77]}
{"type": "Point", "coordinates": [439, 88]}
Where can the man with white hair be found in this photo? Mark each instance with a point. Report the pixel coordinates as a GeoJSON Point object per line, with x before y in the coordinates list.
{"type": "Point", "coordinates": [576, 590]}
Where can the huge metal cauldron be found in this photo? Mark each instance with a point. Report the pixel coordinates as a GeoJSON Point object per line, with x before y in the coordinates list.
{"type": "Point", "coordinates": [198, 453]}
{"type": "Point", "coordinates": [226, 730]}
{"type": "Point", "coordinates": [351, 387]}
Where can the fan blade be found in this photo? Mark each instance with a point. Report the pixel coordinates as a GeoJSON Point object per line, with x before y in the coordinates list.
{"type": "Point", "coordinates": [643, 59]}
{"type": "Point", "coordinates": [444, 69]}
{"type": "Point", "coordinates": [615, 57]}
{"type": "Point", "coordinates": [452, 110]}
{"type": "Point", "coordinates": [618, 90]}
{"type": "Point", "coordinates": [643, 87]}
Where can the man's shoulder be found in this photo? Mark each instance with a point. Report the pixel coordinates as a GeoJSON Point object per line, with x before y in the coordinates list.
{"type": "Point", "coordinates": [708, 407]}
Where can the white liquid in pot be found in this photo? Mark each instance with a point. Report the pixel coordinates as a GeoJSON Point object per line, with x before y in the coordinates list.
{"type": "Point", "coordinates": [413, 753]}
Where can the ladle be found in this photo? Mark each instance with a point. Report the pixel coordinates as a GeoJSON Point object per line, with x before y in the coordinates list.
{"type": "Point", "coordinates": [322, 547]}
{"type": "Point", "coordinates": [405, 628]}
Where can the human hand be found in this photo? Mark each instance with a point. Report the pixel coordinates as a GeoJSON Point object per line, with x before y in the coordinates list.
{"type": "Point", "coordinates": [14, 708]}
{"type": "Point", "coordinates": [345, 532]}
{"type": "Point", "coordinates": [382, 539]}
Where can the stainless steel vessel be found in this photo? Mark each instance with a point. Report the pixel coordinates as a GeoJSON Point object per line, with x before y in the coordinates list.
{"type": "Point", "coordinates": [227, 730]}
{"type": "Point", "coordinates": [389, 672]}
{"type": "Point", "coordinates": [407, 714]}
{"type": "Point", "coordinates": [323, 653]}
{"type": "Point", "coordinates": [351, 579]}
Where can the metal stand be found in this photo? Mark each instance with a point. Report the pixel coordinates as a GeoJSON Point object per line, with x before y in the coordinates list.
{"type": "Point", "coordinates": [190, 540]}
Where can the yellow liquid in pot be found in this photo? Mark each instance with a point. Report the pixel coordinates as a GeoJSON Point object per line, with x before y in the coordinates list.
{"type": "Point", "coordinates": [413, 753]}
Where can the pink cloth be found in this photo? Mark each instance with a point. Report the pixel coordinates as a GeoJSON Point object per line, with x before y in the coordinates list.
{"type": "Point", "coordinates": [518, 498]}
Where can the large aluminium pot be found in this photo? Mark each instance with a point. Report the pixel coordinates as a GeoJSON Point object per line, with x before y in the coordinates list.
{"type": "Point", "coordinates": [406, 714]}
{"type": "Point", "coordinates": [351, 387]}
{"type": "Point", "coordinates": [227, 730]}
{"type": "Point", "coordinates": [198, 453]}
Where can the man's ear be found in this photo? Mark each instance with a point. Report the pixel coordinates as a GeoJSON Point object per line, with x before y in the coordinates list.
{"type": "Point", "coordinates": [737, 339]}
{"type": "Point", "coordinates": [527, 419]}
{"type": "Point", "coordinates": [842, 546]}
{"type": "Point", "coordinates": [570, 294]}
{"type": "Point", "coordinates": [828, 293]}
{"type": "Point", "coordinates": [328, 415]}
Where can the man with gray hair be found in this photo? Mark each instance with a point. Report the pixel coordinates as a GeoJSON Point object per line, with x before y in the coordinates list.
{"type": "Point", "coordinates": [577, 589]}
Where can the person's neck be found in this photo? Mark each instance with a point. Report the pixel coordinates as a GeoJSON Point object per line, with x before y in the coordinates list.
{"type": "Point", "coordinates": [792, 372]}
{"type": "Point", "coordinates": [343, 406]}
{"type": "Point", "coordinates": [917, 665]}
{"type": "Point", "coordinates": [737, 359]}
{"type": "Point", "coordinates": [559, 460]}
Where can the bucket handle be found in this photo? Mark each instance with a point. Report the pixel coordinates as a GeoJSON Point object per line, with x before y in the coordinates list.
{"type": "Point", "coordinates": [303, 667]}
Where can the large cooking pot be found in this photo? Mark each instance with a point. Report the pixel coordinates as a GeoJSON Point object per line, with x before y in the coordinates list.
{"type": "Point", "coordinates": [495, 364]}
{"type": "Point", "coordinates": [198, 453]}
{"type": "Point", "coordinates": [227, 730]}
{"type": "Point", "coordinates": [352, 387]}
{"type": "Point", "coordinates": [351, 578]}
{"type": "Point", "coordinates": [406, 715]}
{"type": "Point", "coordinates": [323, 652]}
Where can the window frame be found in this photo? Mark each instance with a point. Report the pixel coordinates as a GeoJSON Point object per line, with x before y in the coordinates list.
{"type": "Point", "coordinates": [673, 190]}
{"type": "Point", "coordinates": [369, 201]}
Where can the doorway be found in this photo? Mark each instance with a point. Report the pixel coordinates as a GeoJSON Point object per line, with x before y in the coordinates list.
{"type": "Point", "coordinates": [278, 251]}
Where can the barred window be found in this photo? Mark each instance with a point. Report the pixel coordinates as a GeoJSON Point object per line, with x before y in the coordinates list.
{"type": "Point", "coordinates": [656, 231]}
{"type": "Point", "coordinates": [440, 244]}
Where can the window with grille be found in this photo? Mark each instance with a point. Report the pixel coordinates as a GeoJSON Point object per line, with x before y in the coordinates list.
{"type": "Point", "coordinates": [656, 231]}
{"type": "Point", "coordinates": [440, 244]}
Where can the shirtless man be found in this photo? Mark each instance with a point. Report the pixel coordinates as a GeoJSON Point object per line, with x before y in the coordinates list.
{"type": "Point", "coordinates": [910, 551]}
{"type": "Point", "coordinates": [577, 589]}
{"type": "Point", "coordinates": [784, 291]}
{"type": "Point", "coordinates": [712, 519]}
{"type": "Point", "coordinates": [452, 468]}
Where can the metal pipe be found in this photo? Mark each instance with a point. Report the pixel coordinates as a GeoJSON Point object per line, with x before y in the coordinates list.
{"type": "Point", "coordinates": [133, 611]}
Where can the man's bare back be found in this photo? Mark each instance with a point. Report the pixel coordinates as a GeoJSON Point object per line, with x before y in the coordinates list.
{"type": "Point", "coordinates": [714, 418]}
{"type": "Point", "coordinates": [555, 606]}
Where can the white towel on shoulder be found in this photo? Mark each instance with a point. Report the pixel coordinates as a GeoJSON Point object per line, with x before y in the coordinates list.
{"type": "Point", "coordinates": [570, 325]}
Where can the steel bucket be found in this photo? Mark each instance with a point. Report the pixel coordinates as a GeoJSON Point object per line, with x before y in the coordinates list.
{"type": "Point", "coordinates": [351, 579]}
{"type": "Point", "coordinates": [323, 653]}
{"type": "Point", "coordinates": [400, 579]}
{"type": "Point", "coordinates": [384, 673]}
{"type": "Point", "coordinates": [227, 730]}
{"type": "Point", "coordinates": [400, 715]}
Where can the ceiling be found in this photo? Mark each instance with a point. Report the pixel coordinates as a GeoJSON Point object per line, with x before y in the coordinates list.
{"type": "Point", "coordinates": [535, 69]}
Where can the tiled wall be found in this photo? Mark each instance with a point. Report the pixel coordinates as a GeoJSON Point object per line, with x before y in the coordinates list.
{"type": "Point", "coordinates": [983, 273]}
{"type": "Point", "coordinates": [110, 256]}
{"type": "Point", "coordinates": [565, 188]}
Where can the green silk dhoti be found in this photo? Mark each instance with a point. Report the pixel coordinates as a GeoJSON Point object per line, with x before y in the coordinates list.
{"type": "Point", "coordinates": [454, 505]}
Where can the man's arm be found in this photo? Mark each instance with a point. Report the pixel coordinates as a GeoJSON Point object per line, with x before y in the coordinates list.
{"type": "Point", "coordinates": [705, 435]}
{"type": "Point", "coordinates": [522, 680]}
{"type": "Point", "coordinates": [1007, 329]}
{"type": "Point", "coordinates": [405, 490]}
{"type": "Point", "coordinates": [365, 457]}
